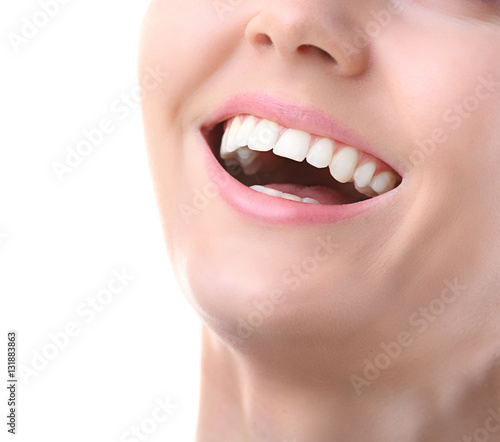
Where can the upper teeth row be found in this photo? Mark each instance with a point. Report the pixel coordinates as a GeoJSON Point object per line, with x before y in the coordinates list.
{"type": "Point", "coordinates": [247, 135]}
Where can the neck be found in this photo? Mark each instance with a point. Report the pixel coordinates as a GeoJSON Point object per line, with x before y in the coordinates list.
{"type": "Point", "coordinates": [449, 392]}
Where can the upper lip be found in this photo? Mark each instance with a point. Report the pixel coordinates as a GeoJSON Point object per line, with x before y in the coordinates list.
{"type": "Point", "coordinates": [291, 115]}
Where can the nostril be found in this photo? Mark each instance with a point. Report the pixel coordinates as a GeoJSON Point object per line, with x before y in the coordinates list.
{"type": "Point", "coordinates": [263, 40]}
{"type": "Point", "coordinates": [305, 49]}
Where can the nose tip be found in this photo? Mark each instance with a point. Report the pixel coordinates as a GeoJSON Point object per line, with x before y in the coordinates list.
{"type": "Point", "coordinates": [303, 35]}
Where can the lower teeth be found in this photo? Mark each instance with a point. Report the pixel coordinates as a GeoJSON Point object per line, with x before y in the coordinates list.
{"type": "Point", "coordinates": [286, 196]}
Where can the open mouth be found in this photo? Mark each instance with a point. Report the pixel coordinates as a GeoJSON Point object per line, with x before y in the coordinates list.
{"type": "Point", "coordinates": [296, 165]}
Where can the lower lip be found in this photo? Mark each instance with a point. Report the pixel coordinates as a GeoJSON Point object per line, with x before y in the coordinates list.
{"type": "Point", "coordinates": [273, 210]}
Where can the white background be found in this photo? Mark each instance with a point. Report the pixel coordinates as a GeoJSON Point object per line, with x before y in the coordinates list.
{"type": "Point", "coordinates": [60, 241]}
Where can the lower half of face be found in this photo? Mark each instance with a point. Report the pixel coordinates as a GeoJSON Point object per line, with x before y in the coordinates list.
{"type": "Point", "coordinates": [318, 169]}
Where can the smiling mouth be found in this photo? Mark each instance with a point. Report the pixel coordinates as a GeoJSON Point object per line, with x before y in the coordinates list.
{"type": "Point", "coordinates": [298, 166]}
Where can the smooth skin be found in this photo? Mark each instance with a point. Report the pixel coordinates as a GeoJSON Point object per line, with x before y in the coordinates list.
{"type": "Point", "coordinates": [415, 279]}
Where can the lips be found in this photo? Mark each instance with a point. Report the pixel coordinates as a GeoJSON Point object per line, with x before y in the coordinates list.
{"type": "Point", "coordinates": [295, 160]}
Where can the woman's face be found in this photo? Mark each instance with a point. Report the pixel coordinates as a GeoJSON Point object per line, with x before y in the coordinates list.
{"type": "Point", "coordinates": [412, 85]}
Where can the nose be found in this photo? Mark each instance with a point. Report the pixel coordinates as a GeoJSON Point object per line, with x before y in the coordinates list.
{"type": "Point", "coordinates": [309, 31]}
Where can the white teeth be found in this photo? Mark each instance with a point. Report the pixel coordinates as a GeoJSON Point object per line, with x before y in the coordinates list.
{"type": "Point", "coordinates": [286, 196]}
{"type": "Point", "coordinates": [321, 154]}
{"type": "Point", "coordinates": [383, 182]}
{"type": "Point", "coordinates": [247, 136]}
{"type": "Point", "coordinates": [344, 163]}
{"type": "Point", "coordinates": [293, 144]}
{"type": "Point", "coordinates": [228, 145]}
{"type": "Point", "coordinates": [224, 153]}
{"type": "Point", "coordinates": [310, 201]}
{"type": "Point", "coordinates": [249, 160]}
{"type": "Point", "coordinates": [364, 174]}
{"type": "Point", "coordinates": [368, 191]}
{"type": "Point", "coordinates": [246, 156]}
{"type": "Point", "coordinates": [264, 136]}
{"type": "Point", "coordinates": [245, 130]}
{"type": "Point", "coordinates": [289, 196]}
{"type": "Point", "coordinates": [267, 191]}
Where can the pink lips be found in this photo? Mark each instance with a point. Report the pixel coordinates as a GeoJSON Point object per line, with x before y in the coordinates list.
{"type": "Point", "coordinates": [270, 209]}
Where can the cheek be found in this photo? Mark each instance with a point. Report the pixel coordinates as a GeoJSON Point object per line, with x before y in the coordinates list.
{"type": "Point", "coordinates": [175, 34]}
{"type": "Point", "coordinates": [445, 96]}
{"type": "Point", "coordinates": [170, 41]}
{"type": "Point", "coordinates": [445, 99]}
{"type": "Point", "coordinates": [189, 40]}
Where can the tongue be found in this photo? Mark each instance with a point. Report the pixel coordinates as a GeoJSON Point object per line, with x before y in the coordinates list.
{"type": "Point", "coordinates": [322, 194]}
